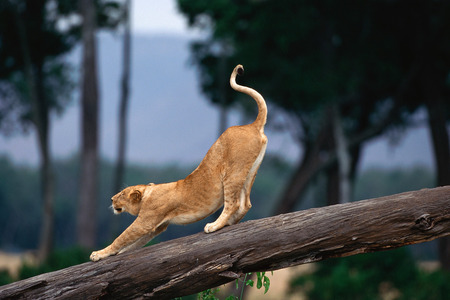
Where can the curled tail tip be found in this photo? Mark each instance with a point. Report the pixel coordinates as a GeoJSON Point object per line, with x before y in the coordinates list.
{"type": "Point", "coordinates": [239, 69]}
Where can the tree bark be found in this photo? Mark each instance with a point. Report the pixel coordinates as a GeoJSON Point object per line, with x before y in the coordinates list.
{"type": "Point", "coordinates": [86, 227]}
{"type": "Point", "coordinates": [194, 263]}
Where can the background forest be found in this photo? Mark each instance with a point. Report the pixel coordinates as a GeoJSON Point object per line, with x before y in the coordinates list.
{"type": "Point", "coordinates": [337, 75]}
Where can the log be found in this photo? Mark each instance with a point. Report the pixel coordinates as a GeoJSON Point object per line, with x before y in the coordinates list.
{"type": "Point", "coordinates": [194, 263]}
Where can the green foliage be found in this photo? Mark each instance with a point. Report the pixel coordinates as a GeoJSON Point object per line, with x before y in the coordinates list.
{"type": "Point", "coordinates": [261, 280]}
{"type": "Point", "coordinates": [209, 294]}
{"type": "Point", "coordinates": [5, 278]}
{"type": "Point", "coordinates": [20, 217]}
{"type": "Point", "coordinates": [366, 276]}
{"type": "Point", "coordinates": [378, 182]}
{"type": "Point", "coordinates": [312, 53]}
{"type": "Point", "coordinates": [429, 286]}
{"type": "Point", "coordinates": [21, 211]}
{"type": "Point", "coordinates": [36, 34]}
{"type": "Point", "coordinates": [358, 60]}
{"type": "Point", "coordinates": [56, 261]}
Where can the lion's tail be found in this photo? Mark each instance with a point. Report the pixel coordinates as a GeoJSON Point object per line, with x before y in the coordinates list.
{"type": "Point", "coordinates": [262, 107]}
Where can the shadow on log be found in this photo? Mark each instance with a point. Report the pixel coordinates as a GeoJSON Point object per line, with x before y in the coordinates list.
{"type": "Point", "coordinates": [194, 263]}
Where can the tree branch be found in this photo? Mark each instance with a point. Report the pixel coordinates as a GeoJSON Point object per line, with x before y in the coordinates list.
{"type": "Point", "coordinates": [197, 262]}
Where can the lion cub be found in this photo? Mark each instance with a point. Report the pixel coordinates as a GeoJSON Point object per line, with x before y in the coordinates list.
{"type": "Point", "coordinates": [224, 177]}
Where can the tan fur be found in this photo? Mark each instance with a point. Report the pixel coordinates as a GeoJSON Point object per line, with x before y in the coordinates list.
{"type": "Point", "coordinates": [224, 177]}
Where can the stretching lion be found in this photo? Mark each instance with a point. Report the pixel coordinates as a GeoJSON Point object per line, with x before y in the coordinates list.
{"type": "Point", "coordinates": [224, 177]}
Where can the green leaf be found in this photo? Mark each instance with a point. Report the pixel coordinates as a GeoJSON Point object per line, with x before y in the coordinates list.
{"type": "Point", "coordinates": [208, 294]}
{"type": "Point", "coordinates": [266, 284]}
{"type": "Point", "coordinates": [249, 282]}
{"type": "Point", "coordinates": [260, 276]}
{"type": "Point", "coordinates": [259, 282]}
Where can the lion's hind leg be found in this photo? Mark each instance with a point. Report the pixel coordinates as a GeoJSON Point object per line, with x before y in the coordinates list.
{"type": "Point", "coordinates": [244, 198]}
{"type": "Point", "coordinates": [231, 197]}
{"type": "Point", "coordinates": [244, 201]}
{"type": "Point", "coordinates": [244, 207]}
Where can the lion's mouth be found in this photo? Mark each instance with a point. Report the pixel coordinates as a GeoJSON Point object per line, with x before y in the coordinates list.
{"type": "Point", "coordinates": [117, 210]}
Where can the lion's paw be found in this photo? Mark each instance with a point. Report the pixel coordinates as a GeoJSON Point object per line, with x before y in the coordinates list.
{"type": "Point", "coordinates": [97, 255]}
{"type": "Point", "coordinates": [211, 227]}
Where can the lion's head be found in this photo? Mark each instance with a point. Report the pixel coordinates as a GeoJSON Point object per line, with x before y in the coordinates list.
{"type": "Point", "coordinates": [128, 200]}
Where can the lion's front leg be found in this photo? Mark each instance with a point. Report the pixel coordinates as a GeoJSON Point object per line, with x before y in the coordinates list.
{"type": "Point", "coordinates": [131, 235]}
{"type": "Point", "coordinates": [145, 239]}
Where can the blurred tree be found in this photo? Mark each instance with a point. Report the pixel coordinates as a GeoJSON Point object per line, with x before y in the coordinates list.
{"type": "Point", "coordinates": [35, 80]}
{"type": "Point", "coordinates": [87, 204]}
{"type": "Point", "coordinates": [343, 72]}
{"type": "Point", "coordinates": [123, 109]}
{"type": "Point", "coordinates": [124, 99]}
{"type": "Point", "coordinates": [91, 13]}
{"type": "Point", "coordinates": [433, 53]}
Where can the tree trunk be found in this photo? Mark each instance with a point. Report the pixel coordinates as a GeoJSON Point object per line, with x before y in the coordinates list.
{"type": "Point", "coordinates": [41, 121]}
{"type": "Point", "coordinates": [305, 172]}
{"type": "Point", "coordinates": [123, 114]}
{"type": "Point", "coordinates": [312, 162]}
{"type": "Point", "coordinates": [124, 100]}
{"type": "Point", "coordinates": [339, 184]}
{"type": "Point", "coordinates": [332, 184]}
{"type": "Point", "coordinates": [46, 170]}
{"type": "Point", "coordinates": [316, 159]}
{"type": "Point", "coordinates": [440, 140]}
{"type": "Point", "coordinates": [343, 157]}
{"type": "Point", "coordinates": [191, 264]}
{"type": "Point", "coordinates": [89, 114]}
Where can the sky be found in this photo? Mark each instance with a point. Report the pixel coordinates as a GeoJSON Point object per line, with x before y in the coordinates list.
{"type": "Point", "coordinates": [160, 17]}
{"type": "Point", "coordinates": [157, 16]}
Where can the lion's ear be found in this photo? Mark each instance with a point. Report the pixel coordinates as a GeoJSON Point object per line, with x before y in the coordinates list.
{"type": "Point", "coordinates": [136, 196]}
{"type": "Point", "coordinates": [150, 184]}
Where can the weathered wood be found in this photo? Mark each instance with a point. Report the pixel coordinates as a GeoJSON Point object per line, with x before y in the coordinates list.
{"type": "Point", "coordinates": [194, 263]}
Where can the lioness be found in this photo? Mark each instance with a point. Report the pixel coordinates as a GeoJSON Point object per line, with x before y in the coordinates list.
{"type": "Point", "coordinates": [224, 177]}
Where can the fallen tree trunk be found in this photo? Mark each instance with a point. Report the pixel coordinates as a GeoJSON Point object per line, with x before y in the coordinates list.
{"type": "Point", "coordinates": [197, 262]}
